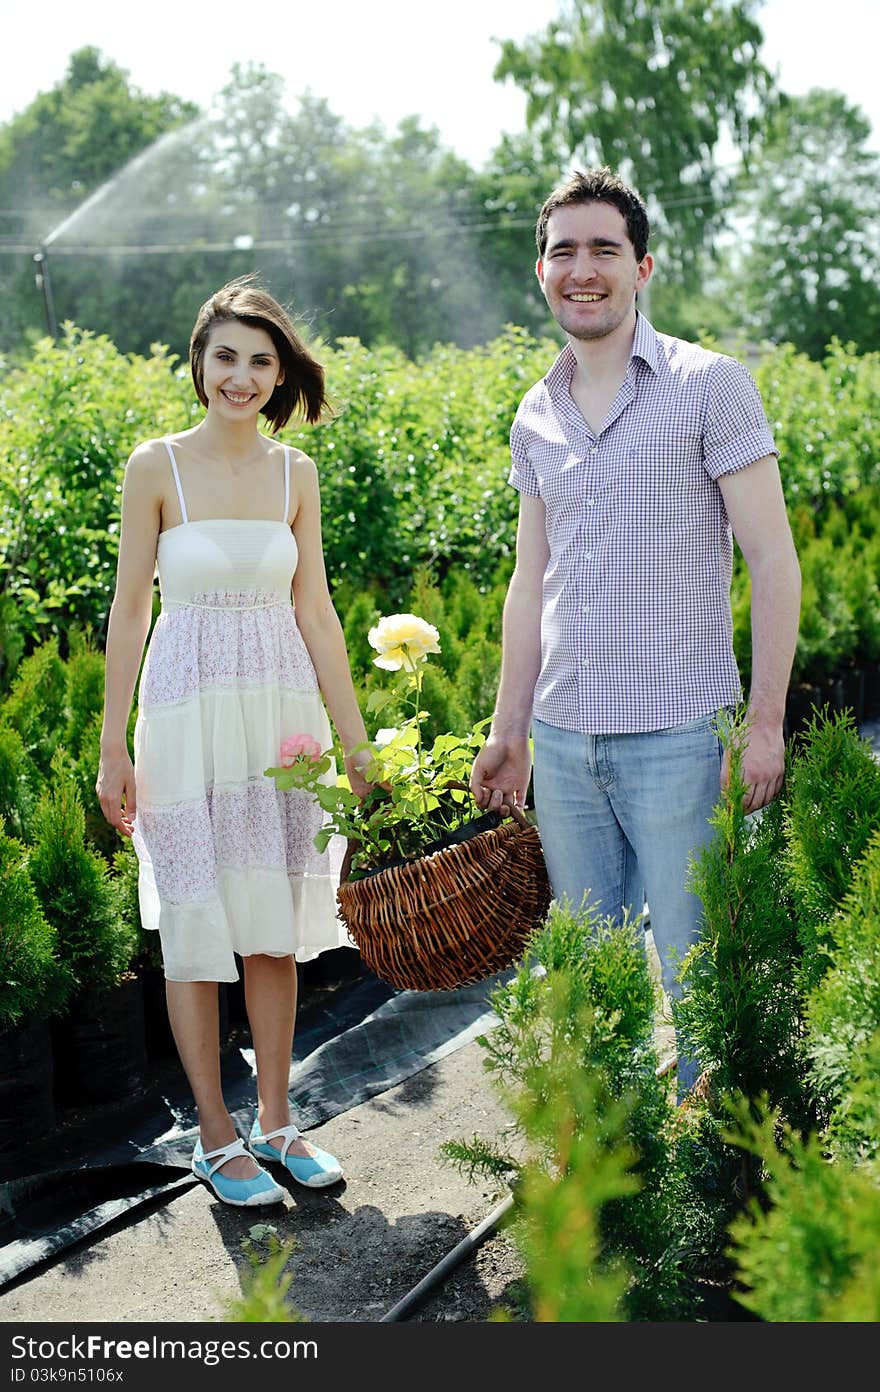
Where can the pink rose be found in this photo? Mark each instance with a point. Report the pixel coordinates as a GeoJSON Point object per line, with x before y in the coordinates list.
{"type": "Point", "coordinates": [299, 746]}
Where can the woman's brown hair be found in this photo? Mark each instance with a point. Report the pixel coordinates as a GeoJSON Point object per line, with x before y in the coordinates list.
{"type": "Point", "coordinates": [303, 385]}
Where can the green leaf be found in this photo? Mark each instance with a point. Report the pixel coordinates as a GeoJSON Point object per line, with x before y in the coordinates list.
{"type": "Point", "coordinates": [378, 699]}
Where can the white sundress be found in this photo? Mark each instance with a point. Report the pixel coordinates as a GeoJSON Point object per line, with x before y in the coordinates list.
{"type": "Point", "coordinates": [227, 862]}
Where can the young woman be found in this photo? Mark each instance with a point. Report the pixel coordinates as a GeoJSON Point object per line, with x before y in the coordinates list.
{"type": "Point", "coordinates": [227, 863]}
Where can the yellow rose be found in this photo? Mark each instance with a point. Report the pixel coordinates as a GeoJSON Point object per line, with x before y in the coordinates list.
{"type": "Point", "coordinates": [402, 640]}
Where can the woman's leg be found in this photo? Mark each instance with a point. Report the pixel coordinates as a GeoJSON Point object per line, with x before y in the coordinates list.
{"type": "Point", "coordinates": [194, 1015]}
{"type": "Point", "coordinates": [270, 988]}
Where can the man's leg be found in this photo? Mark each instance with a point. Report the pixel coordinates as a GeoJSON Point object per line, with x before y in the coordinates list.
{"type": "Point", "coordinates": [665, 788]}
{"type": "Point", "coordinates": [586, 851]}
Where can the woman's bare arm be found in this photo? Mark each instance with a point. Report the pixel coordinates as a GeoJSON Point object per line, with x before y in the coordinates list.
{"type": "Point", "coordinates": [319, 623]}
{"type": "Point", "coordinates": [127, 631]}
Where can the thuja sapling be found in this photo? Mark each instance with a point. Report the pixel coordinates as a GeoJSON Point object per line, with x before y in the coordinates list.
{"type": "Point", "coordinates": [807, 1252]}
{"type": "Point", "coordinates": [843, 1015]}
{"type": "Point", "coordinates": [832, 809]}
{"type": "Point", "coordinates": [573, 1055]}
{"type": "Point", "coordinates": [741, 1007]}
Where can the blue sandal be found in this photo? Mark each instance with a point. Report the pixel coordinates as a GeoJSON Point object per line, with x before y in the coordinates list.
{"type": "Point", "coordinates": [314, 1171]}
{"type": "Point", "coordinates": [243, 1193]}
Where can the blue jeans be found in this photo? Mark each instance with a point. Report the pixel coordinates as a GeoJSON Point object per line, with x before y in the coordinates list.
{"type": "Point", "coordinates": [620, 818]}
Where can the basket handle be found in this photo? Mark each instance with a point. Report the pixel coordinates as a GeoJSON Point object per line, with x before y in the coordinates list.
{"type": "Point", "coordinates": [516, 813]}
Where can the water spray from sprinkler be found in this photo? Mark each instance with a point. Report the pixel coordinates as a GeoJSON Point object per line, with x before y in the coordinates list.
{"type": "Point", "coordinates": [84, 210]}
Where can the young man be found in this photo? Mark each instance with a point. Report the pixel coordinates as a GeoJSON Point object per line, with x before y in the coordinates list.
{"type": "Point", "coordinates": [634, 458]}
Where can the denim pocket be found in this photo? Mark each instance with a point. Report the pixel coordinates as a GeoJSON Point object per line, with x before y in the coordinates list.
{"type": "Point", "coordinates": [707, 724]}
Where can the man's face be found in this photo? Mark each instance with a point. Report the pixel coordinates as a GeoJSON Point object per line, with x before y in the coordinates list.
{"type": "Point", "coordinates": [589, 273]}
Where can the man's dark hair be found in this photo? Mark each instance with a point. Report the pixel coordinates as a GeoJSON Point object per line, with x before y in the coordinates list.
{"type": "Point", "coordinates": [598, 186]}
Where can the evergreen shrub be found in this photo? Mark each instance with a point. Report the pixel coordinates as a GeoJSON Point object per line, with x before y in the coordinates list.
{"type": "Point", "coordinates": [582, 1005]}
{"type": "Point", "coordinates": [18, 781]}
{"type": "Point", "coordinates": [84, 689]}
{"type": "Point", "coordinates": [777, 1208]}
{"type": "Point", "coordinates": [843, 1010]}
{"type": "Point", "coordinates": [741, 1008]}
{"type": "Point", "coordinates": [832, 806]}
{"type": "Point", "coordinates": [75, 889]}
{"type": "Point", "coordinates": [807, 1253]}
{"type": "Point", "coordinates": [35, 705]}
{"type": "Point", "coordinates": [33, 982]}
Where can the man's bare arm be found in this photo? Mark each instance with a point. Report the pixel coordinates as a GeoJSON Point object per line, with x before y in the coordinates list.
{"type": "Point", "coordinates": [501, 771]}
{"type": "Point", "coordinates": [756, 508]}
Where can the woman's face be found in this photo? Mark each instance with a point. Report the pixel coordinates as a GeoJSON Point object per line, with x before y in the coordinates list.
{"type": "Point", "coordinates": [240, 370]}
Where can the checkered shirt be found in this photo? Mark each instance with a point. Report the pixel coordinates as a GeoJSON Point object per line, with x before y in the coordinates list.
{"type": "Point", "coordinates": [636, 629]}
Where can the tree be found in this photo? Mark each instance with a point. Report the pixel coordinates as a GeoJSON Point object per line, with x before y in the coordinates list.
{"type": "Point", "coordinates": [56, 152]}
{"type": "Point", "coordinates": [512, 187]}
{"type": "Point", "coordinates": [647, 87]}
{"type": "Point", "coordinates": [368, 231]}
{"type": "Point", "coordinates": [810, 204]}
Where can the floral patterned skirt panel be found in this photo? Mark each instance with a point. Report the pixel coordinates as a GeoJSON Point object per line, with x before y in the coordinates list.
{"type": "Point", "coordinates": [227, 862]}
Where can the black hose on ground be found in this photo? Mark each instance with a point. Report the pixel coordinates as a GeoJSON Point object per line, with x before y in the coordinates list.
{"type": "Point", "coordinates": [448, 1263]}
{"type": "Point", "coordinates": [470, 1243]}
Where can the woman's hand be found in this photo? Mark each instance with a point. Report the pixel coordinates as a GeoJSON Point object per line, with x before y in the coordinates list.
{"type": "Point", "coordinates": [355, 765]}
{"type": "Point", "coordinates": [116, 790]}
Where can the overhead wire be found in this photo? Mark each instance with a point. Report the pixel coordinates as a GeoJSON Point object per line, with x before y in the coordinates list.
{"type": "Point", "coordinates": [244, 242]}
{"type": "Point", "coordinates": [200, 238]}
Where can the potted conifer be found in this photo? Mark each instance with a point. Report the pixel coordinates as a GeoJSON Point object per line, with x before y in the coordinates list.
{"type": "Point", "coordinates": [34, 984]}
{"type": "Point", "coordinates": [99, 1043]}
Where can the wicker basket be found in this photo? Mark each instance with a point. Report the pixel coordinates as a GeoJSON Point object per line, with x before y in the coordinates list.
{"type": "Point", "coordinates": [453, 917]}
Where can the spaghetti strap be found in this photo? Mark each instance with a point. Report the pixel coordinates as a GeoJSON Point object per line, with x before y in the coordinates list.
{"type": "Point", "coordinates": [286, 481]}
{"type": "Point", "coordinates": [167, 444]}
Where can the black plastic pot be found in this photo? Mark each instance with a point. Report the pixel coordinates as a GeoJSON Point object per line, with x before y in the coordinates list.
{"type": "Point", "coordinates": [850, 693]}
{"type": "Point", "coordinates": [100, 1045]}
{"type": "Point", "coordinates": [800, 707]}
{"type": "Point", "coordinates": [474, 827]}
{"type": "Point", "coordinates": [872, 690]}
{"type": "Point", "coordinates": [27, 1088]}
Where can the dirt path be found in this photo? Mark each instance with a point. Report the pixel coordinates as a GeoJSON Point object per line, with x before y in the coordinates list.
{"type": "Point", "coordinates": [360, 1247]}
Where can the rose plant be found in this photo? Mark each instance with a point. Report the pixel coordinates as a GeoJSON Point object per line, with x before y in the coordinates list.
{"type": "Point", "coordinates": [415, 800]}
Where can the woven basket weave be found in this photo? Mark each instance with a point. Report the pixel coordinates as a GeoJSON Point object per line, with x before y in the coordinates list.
{"type": "Point", "coordinates": [453, 917]}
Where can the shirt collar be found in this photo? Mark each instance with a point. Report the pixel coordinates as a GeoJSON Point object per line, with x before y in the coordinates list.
{"type": "Point", "coordinates": [644, 346]}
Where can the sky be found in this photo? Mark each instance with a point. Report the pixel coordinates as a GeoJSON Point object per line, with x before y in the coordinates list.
{"type": "Point", "coordinates": [386, 59]}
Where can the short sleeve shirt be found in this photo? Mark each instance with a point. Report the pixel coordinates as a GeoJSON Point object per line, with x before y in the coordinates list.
{"type": "Point", "coordinates": [636, 629]}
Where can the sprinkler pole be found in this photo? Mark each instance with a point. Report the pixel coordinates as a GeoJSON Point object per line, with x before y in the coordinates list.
{"type": "Point", "coordinates": [41, 276]}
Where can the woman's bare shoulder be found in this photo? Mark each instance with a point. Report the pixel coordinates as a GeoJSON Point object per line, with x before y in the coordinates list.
{"type": "Point", "coordinates": [302, 463]}
{"type": "Point", "coordinates": [147, 466]}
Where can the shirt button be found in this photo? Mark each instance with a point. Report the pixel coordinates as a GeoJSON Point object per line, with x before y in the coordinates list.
{"type": "Point", "coordinates": [594, 449]}
{"type": "Point", "coordinates": [588, 556]}
{"type": "Point", "coordinates": [585, 609]}
{"type": "Point", "coordinates": [585, 661]}
{"type": "Point", "coordinates": [591, 502]}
